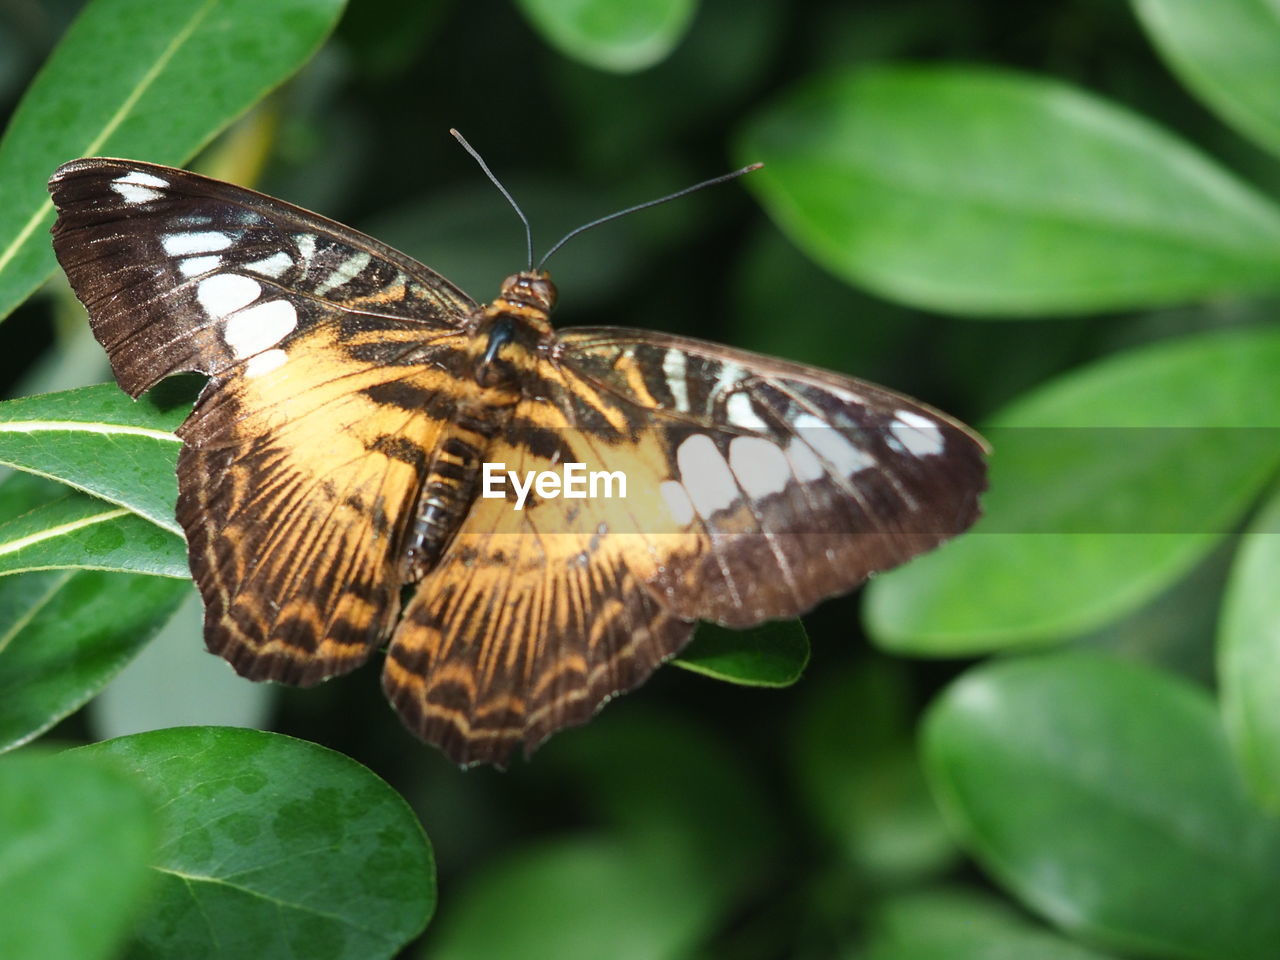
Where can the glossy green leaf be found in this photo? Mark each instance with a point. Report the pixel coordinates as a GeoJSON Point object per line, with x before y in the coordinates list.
{"type": "Point", "coordinates": [1103, 795]}
{"type": "Point", "coordinates": [578, 899]}
{"type": "Point", "coordinates": [64, 634]}
{"type": "Point", "coordinates": [1107, 485]}
{"type": "Point", "coordinates": [1228, 52]}
{"type": "Point", "coordinates": [132, 78]}
{"type": "Point", "coordinates": [272, 847]}
{"type": "Point", "coordinates": [20, 492]}
{"type": "Point", "coordinates": [1249, 656]}
{"type": "Point", "coordinates": [771, 655]}
{"type": "Point", "coordinates": [75, 837]}
{"type": "Point", "coordinates": [98, 440]}
{"type": "Point", "coordinates": [962, 925]}
{"type": "Point", "coordinates": [972, 191]}
{"type": "Point", "coordinates": [85, 532]}
{"type": "Point", "coordinates": [618, 35]}
{"type": "Point", "coordinates": [855, 761]}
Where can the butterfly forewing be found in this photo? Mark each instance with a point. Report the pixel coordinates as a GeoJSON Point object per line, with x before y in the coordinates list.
{"type": "Point", "coordinates": [180, 272]}
{"type": "Point", "coordinates": [800, 483]}
{"type": "Point", "coordinates": [332, 461]}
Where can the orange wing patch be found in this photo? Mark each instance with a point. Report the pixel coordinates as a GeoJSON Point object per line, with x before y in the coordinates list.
{"type": "Point", "coordinates": [296, 487]}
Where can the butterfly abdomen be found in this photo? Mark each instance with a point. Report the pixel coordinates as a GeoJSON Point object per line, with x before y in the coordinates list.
{"type": "Point", "coordinates": [450, 486]}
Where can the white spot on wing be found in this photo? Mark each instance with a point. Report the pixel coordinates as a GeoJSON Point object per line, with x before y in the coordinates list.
{"type": "Point", "coordinates": [347, 271]}
{"type": "Point", "coordinates": [705, 475]}
{"type": "Point", "coordinates": [673, 367]}
{"type": "Point", "coordinates": [143, 178]}
{"type": "Point", "coordinates": [261, 326]}
{"type": "Point", "coordinates": [306, 245]}
{"type": "Point", "coordinates": [197, 241]}
{"type": "Point", "coordinates": [194, 266]}
{"type": "Point", "coordinates": [137, 187]}
{"type": "Point", "coordinates": [742, 414]}
{"type": "Point", "coordinates": [832, 446]}
{"type": "Point", "coordinates": [678, 502]}
{"type": "Point", "coordinates": [760, 466]}
{"type": "Point", "coordinates": [265, 362]}
{"type": "Point", "coordinates": [225, 293]}
{"type": "Point", "coordinates": [133, 194]}
{"type": "Point", "coordinates": [918, 435]}
{"type": "Point", "coordinates": [804, 462]}
{"type": "Point", "coordinates": [273, 266]}
{"type": "Point", "coordinates": [730, 376]}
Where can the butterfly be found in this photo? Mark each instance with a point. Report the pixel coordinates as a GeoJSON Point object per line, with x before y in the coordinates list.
{"type": "Point", "coordinates": [339, 483]}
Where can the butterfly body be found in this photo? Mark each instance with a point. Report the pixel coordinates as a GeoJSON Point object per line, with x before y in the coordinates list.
{"type": "Point", "coordinates": [337, 460]}
{"type": "Point", "coordinates": [503, 347]}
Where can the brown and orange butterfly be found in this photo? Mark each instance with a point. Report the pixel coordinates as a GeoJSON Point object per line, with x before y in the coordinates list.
{"type": "Point", "coordinates": [337, 457]}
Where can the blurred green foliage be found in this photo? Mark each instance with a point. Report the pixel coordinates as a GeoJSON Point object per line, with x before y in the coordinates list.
{"type": "Point", "coordinates": [1059, 221]}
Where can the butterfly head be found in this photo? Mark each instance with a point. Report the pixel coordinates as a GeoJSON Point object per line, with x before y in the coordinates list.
{"type": "Point", "coordinates": [530, 290]}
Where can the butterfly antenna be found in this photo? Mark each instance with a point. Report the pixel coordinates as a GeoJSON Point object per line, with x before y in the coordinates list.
{"type": "Point", "coordinates": [643, 206]}
{"type": "Point", "coordinates": [528, 233]}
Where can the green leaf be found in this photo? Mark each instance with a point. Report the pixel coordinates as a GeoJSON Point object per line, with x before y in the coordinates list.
{"type": "Point", "coordinates": [961, 925]}
{"type": "Point", "coordinates": [855, 762]}
{"type": "Point", "coordinates": [729, 51]}
{"type": "Point", "coordinates": [132, 78]}
{"type": "Point", "coordinates": [1249, 656]}
{"type": "Point", "coordinates": [770, 655]}
{"type": "Point", "coordinates": [1102, 794]}
{"type": "Point", "coordinates": [75, 836]}
{"type": "Point", "coordinates": [622, 36]}
{"type": "Point", "coordinates": [85, 532]}
{"type": "Point", "coordinates": [20, 492]}
{"type": "Point", "coordinates": [1228, 52]}
{"type": "Point", "coordinates": [1107, 486]}
{"type": "Point", "coordinates": [577, 899]}
{"type": "Point", "coordinates": [979, 192]}
{"type": "Point", "coordinates": [64, 634]}
{"type": "Point", "coordinates": [98, 440]}
{"type": "Point", "coordinates": [272, 847]}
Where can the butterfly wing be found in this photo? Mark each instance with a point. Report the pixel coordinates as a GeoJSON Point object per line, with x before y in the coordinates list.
{"type": "Point", "coordinates": [736, 510]}
{"type": "Point", "coordinates": [180, 272]}
{"type": "Point", "coordinates": [537, 616]}
{"type": "Point", "coordinates": [799, 483]}
{"type": "Point", "coordinates": [329, 356]}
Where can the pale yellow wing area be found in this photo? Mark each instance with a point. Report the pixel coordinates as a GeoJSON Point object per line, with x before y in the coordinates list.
{"type": "Point", "coordinates": [296, 487]}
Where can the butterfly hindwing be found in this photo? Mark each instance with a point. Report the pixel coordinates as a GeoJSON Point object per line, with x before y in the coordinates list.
{"type": "Point", "coordinates": [536, 617]}
{"type": "Point", "coordinates": [296, 489]}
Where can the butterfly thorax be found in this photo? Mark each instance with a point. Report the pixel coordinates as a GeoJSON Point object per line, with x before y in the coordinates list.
{"type": "Point", "coordinates": [510, 331]}
{"type": "Point", "coordinates": [508, 336]}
